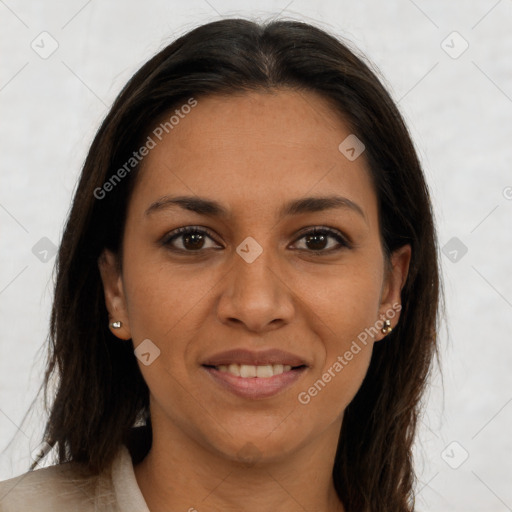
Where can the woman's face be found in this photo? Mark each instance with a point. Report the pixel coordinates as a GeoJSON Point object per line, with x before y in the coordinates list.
{"type": "Point", "coordinates": [253, 289]}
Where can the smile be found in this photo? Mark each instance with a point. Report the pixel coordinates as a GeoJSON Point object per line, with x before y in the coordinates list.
{"type": "Point", "coordinates": [255, 382]}
{"type": "Point", "coordinates": [252, 371]}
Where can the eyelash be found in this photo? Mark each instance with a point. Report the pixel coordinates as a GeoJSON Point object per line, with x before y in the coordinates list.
{"type": "Point", "coordinates": [317, 230]}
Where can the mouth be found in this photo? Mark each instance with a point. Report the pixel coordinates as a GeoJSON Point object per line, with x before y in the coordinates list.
{"type": "Point", "coordinates": [254, 374]}
{"type": "Point", "coordinates": [248, 371]}
{"type": "Point", "coordinates": [254, 382]}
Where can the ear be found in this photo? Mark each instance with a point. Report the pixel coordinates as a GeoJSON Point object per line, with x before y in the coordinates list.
{"type": "Point", "coordinates": [115, 300]}
{"type": "Point", "coordinates": [394, 280]}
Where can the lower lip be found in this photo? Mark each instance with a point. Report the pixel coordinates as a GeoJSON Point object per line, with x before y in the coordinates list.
{"type": "Point", "coordinates": [255, 387]}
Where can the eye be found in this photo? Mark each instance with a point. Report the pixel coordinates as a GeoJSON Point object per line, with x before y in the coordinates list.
{"type": "Point", "coordinates": [317, 240]}
{"type": "Point", "coordinates": [191, 238]}
{"type": "Point", "coordinates": [194, 239]}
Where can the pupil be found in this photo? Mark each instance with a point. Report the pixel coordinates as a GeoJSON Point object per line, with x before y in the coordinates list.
{"type": "Point", "coordinates": [195, 241]}
{"type": "Point", "coordinates": [196, 237]}
{"type": "Point", "coordinates": [317, 237]}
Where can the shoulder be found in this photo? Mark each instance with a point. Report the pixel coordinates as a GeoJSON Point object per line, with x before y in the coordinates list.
{"type": "Point", "coordinates": [65, 487]}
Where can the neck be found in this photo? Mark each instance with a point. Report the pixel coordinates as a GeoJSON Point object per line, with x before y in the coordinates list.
{"type": "Point", "coordinates": [180, 474]}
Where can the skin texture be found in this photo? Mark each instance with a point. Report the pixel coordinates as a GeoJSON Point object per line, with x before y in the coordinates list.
{"type": "Point", "coordinates": [213, 450]}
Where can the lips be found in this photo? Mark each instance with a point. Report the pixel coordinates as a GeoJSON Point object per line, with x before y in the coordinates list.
{"type": "Point", "coordinates": [255, 375]}
{"type": "Point", "coordinates": [251, 358]}
{"type": "Point", "coordinates": [254, 388]}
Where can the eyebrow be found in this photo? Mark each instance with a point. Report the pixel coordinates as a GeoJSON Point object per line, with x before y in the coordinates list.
{"type": "Point", "coordinates": [211, 208]}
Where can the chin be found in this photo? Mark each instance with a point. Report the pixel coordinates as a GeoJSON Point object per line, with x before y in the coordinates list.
{"type": "Point", "coordinates": [253, 446]}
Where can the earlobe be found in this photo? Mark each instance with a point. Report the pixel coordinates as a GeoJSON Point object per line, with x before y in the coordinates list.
{"type": "Point", "coordinates": [114, 294]}
{"type": "Point", "coordinates": [391, 293]}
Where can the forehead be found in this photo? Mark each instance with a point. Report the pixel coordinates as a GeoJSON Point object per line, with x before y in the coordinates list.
{"type": "Point", "coordinates": [254, 148]}
{"type": "Point", "coordinates": [301, 120]}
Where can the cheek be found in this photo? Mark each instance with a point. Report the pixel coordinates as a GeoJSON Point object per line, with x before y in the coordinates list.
{"type": "Point", "coordinates": [346, 299]}
{"type": "Point", "coordinates": [162, 307]}
{"type": "Point", "coordinates": [331, 389]}
{"type": "Point", "coordinates": [335, 381]}
{"type": "Point", "coordinates": [347, 309]}
{"type": "Point", "coordinates": [168, 306]}
{"type": "Point", "coordinates": [161, 301]}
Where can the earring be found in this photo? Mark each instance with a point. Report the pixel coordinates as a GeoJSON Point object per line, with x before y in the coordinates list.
{"type": "Point", "coordinates": [387, 327]}
{"type": "Point", "coordinates": [116, 325]}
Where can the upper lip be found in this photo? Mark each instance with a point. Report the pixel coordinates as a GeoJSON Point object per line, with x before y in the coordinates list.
{"type": "Point", "coordinates": [248, 357]}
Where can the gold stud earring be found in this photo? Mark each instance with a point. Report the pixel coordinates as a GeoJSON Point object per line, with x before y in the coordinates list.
{"type": "Point", "coordinates": [116, 325]}
{"type": "Point", "coordinates": [387, 327]}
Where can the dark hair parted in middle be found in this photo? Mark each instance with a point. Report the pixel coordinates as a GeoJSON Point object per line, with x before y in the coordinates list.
{"type": "Point", "coordinates": [101, 394]}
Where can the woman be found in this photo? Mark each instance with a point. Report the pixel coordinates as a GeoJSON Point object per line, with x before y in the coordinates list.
{"type": "Point", "coordinates": [247, 290]}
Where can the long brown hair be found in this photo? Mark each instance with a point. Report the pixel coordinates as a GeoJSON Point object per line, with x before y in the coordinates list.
{"type": "Point", "coordinates": [101, 395]}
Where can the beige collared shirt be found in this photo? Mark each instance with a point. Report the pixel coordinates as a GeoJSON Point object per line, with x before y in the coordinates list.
{"type": "Point", "coordinates": [70, 488]}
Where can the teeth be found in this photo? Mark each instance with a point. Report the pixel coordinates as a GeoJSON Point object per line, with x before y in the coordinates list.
{"type": "Point", "coordinates": [264, 371]}
{"type": "Point", "coordinates": [234, 369]}
{"type": "Point", "coordinates": [250, 371]}
{"type": "Point", "coordinates": [247, 371]}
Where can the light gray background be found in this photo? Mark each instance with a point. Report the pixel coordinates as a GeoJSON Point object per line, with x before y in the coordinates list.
{"type": "Point", "coordinates": [459, 111]}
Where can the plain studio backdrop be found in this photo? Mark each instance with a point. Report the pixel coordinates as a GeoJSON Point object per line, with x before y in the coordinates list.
{"type": "Point", "coordinates": [446, 63]}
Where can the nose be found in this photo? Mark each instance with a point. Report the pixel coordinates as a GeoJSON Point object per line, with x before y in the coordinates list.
{"type": "Point", "coordinates": [255, 295]}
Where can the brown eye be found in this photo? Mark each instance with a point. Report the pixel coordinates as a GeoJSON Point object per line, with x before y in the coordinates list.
{"type": "Point", "coordinates": [191, 239]}
{"type": "Point", "coordinates": [317, 240]}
